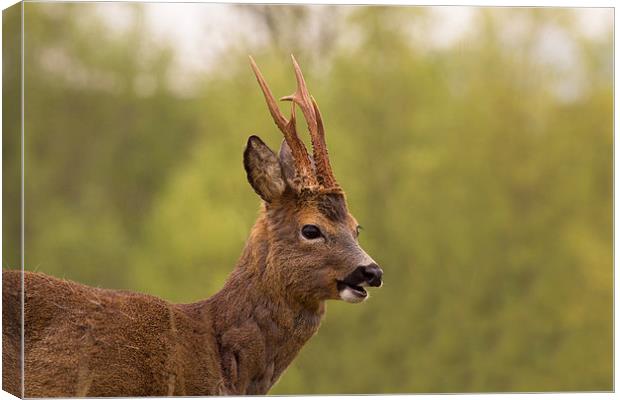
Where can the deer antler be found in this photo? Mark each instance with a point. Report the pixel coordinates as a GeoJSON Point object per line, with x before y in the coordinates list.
{"type": "Point", "coordinates": [312, 114]}
{"type": "Point", "coordinates": [300, 154]}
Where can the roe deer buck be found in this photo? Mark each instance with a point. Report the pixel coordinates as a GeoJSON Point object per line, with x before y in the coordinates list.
{"type": "Point", "coordinates": [302, 251]}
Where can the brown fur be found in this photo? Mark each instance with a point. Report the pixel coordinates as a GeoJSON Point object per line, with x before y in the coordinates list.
{"type": "Point", "coordinates": [11, 333]}
{"type": "Point", "coordinates": [83, 341]}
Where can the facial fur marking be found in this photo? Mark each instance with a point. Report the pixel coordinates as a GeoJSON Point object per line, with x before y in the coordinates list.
{"type": "Point", "coordinates": [333, 206]}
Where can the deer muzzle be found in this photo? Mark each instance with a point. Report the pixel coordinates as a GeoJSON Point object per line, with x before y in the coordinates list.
{"type": "Point", "coordinates": [351, 288]}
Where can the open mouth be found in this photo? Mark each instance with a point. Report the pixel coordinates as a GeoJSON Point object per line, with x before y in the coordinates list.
{"type": "Point", "coordinates": [351, 293]}
{"type": "Point", "coordinates": [351, 288]}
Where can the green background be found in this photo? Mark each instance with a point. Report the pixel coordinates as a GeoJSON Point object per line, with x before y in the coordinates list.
{"type": "Point", "coordinates": [481, 171]}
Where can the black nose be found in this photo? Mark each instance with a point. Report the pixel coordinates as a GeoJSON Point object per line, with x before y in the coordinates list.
{"type": "Point", "coordinates": [372, 274]}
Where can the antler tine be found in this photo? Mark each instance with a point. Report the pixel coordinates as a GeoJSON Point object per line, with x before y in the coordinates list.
{"type": "Point", "coordinates": [287, 127]}
{"type": "Point", "coordinates": [301, 96]}
{"type": "Point", "coordinates": [315, 126]}
{"type": "Point", "coordinates": [278, 118]}
{"type": "Point", "coordinates": [320, 148]}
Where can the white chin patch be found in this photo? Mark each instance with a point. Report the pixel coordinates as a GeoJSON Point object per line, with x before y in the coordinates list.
{"type": "Point", "coordinates": [351, 295]}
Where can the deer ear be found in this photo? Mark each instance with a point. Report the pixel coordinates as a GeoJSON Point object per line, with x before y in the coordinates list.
{"type": "Point", "coordinates": [287, 162]}
{"type": "Point", "coordinates": [263, 169]}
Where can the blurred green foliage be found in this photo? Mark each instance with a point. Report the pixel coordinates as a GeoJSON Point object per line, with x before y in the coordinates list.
{"type": "Point", "coordinates": [484, 191]}
{"type": "Point", "coordinates": [11, 128]}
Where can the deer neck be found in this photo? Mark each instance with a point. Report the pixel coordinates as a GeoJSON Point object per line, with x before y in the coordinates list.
{"type": "Point", "coordinates": [258, 327]}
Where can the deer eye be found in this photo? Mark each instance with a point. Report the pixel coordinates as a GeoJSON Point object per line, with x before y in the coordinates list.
{"type": "Point", "coordinates": [357, 230]}
{"type": "Point", "coordinates": [311, 232]}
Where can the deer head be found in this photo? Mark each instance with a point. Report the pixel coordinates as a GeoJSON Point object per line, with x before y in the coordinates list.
{"type": "Point", "coordinates": [314, 254]}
